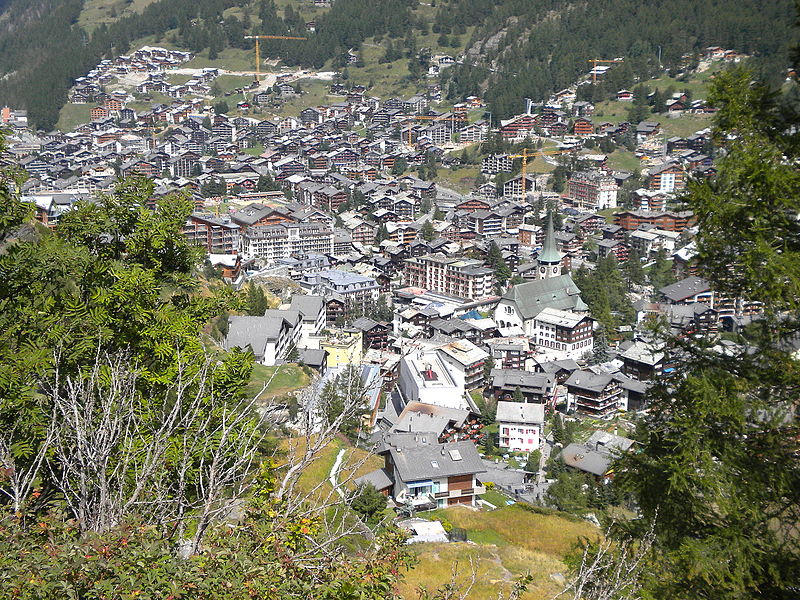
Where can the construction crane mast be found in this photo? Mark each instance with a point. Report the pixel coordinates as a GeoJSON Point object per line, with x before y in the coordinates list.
{"type": "Point", "coordinates": [525, 156]}
{"type": "Point", "coordinates": [597, 61]}
{"type": "Point", "coordinates": [258, 38]}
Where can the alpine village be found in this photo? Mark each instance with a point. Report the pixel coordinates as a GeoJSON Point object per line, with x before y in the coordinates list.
{"type": "Point", "coordinates": [393, 299]}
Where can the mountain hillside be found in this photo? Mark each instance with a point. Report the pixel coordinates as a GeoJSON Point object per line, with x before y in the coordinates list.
{"type": "Point", "coordinates": [511, 48]}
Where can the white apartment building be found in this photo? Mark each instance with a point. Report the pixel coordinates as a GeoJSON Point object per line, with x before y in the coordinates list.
{"type": "Point", "coordinates": [560, 334]}
{"type": "Point", "coordinates": [520, 425]}
{"type": "Point", "coordinates": [273, 242]}
{"type": "Point", "coordinates": [464, 278]}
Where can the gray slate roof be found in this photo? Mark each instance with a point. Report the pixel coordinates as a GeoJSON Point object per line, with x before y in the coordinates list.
{"type": "Point", "coordinates": [308, 306]}
{"type": "Point", "coordinates": [554, 292]}
{"type": "Point", "coordinates": [519, 412]}
{"type": "Point", "coordinates": [427, 461]}
{"type": "Point", "coordinates": [685, 288]}
{"type": "Point", "coordinates": [244, 331]}
{"type": "Point", "coordinates": [379, 478]}
{"type": "Point", "coordinates": [586, 380]}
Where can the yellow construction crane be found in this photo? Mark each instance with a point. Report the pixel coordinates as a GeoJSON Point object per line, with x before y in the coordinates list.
{"type": "Point", "coordinates": [451, 118]}
{"type": "Point", "coordinates": [525, 156]}
{"type": "Point", "coordinates": [258, 38]}
{"type": "Point", "coordinates": [597, 61]}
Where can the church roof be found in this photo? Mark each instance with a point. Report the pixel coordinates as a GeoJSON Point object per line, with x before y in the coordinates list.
{"type": "Point", "coordinates": [550, 253]}
{"type": "Point", "coordinates": [554, 292]}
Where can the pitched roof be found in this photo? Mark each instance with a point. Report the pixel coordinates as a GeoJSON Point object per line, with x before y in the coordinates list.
{"type": "Point", "coordinates": [308, 306]}
{"type": "Point", "coordinates": [587, 380]}
{"type": "Point", "coordinates": [519, 412]}
{"type": "Point", "coordinates": [244, 331]}
{"type": "Point", "coordinates": [426, 461]}
{"type": "Point", "coordinates": [549, 253]}
{"type": "Point", "coordinates": [379, 479]}
{"type": "Point", "coordinates": [554, 292]}
{"type": "Point", "coordinates": [685, 288]}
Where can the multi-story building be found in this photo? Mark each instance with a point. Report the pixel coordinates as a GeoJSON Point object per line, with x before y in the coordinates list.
{"type": "Point", "coordinates": [594, 394]}
{"type": "Point", "coordinates": [274, 242]}
{"type": "Point", "coordinates": [631, 220]}
{"type": "Point", "coordinates": [592, 190]}
{"type": "Point", "coordinates": [667, 177]}
{"type": "Point", "coordinates": [346, 294]}
{"type": "Point", "coordinates": [496, 163]}
{"type": "Point", "coordinates": [464, 278]}
{"type": "Point", "coordinates": [563, 334]}
{"type": "Point", "coordinates": [218, 235]}
{"type": "Point", "coordinates": [519, 425]}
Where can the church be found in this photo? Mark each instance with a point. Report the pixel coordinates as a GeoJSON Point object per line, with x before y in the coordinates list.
{"type": "Point", "coordinates": [519, 307]}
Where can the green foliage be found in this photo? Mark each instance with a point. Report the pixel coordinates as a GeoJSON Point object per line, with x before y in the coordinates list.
{"type": "Point", "coordinates": [518, 395]}
{"type": "Point", "coordinates": [257, 303]}
{"type": "Point", "coordinates": [342, 400]}
{"type": "Point", "coordinates": [532, 465]}
{"type": "Point", "coordinates": [717, 475]}
{"type": "Point", "coordinates": [600, 346]}
{"type": "Point", "coordinates": [537, 57]}
{"type": "Point", "coordinates": [369, 503]}
{"type": "Point", "coordinates": [427, 231]}
{"type": "Point", "coordinates": [266, 555]}
{"type": "Point", "coordinates": [502, 272]}
{"type": "Point", "coordinates": [661, 272]}
{"type": "Point", "coordinates": [381, 311]}
{"type": "Point", "coordinates": [605, 291]}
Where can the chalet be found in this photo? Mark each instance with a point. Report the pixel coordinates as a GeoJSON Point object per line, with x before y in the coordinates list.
{"type": "Point", "coordinates": [534, 387]}
{"type": "Point", "coordinates": [625, 96]}
{"type": "Point", "coordinates": [583, 127]}
{"type": "Point", "coordinates": [596, 454]}
{"type": "Point", "coordinates": [630, 220]}
{"type": "Point", "coordinates": [374, 335]}
{"type": "Point", "coordinates": [593, 394]}
{"type": "Point", "coordinates": [421, 473]}
{"type": "Point", "coordinates": [641, 361]}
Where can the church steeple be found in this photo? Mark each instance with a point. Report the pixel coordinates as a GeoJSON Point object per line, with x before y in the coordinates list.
{"type": "Point", "coordinates": [549, 257]}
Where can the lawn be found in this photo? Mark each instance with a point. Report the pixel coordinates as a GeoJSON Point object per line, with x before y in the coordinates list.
{"type": "Point", "coordinates": [232, 59]}
{"type": "Point", "coordinates": [516, 526]}
{"type": "Point", "coordinates": [684, 125]}
{"type": "Point", "coordinates": [255, 150]}
{"type": "Point", "coordinates": [97, 12]}
{"type": "Point", "coordinates": [623, 160]}
{"type": "Point", "coordinates": [285, 379]}
{"type": "Point", "coordinates": [314, 93]}
{"type": "Point", "coordinates": [495, 497]}
{"type": "Point", "coordinates": [72, 115]}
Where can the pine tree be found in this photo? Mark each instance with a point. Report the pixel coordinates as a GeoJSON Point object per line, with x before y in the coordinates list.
{"type": "Point", "coordinates": [600, 348]}
{"type": "Point", "coordinates": [428, 232]}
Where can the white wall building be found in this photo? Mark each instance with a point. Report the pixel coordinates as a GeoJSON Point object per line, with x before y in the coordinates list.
{"type": "Point", "coordinates": [560, 334]}
{"type": "Point", "coordinates": [520, 425]}
{"type": "Point", "coordinates": [425, 378]}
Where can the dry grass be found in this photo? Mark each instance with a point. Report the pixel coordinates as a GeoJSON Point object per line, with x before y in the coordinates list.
{"type": "Point", "coordinates": [496, 569]}
{"type": "Point", "coordinates": [548, 534]}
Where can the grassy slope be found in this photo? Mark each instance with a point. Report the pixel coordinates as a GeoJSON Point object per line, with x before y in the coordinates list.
{"type": "Point", "coordinates": [287, 378]}
{"type": "Point", "coordinates": [73, 115]}
{"type": "Point", "coordinates": [506, 543]}
{"type": "Point", "coordinates": [97, 12]}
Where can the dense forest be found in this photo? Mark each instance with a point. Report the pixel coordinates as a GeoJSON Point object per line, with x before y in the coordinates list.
{"type": "Point", "coordinates": [541, 46]}
{"type": "Point", "coordinates": [518, 48]}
